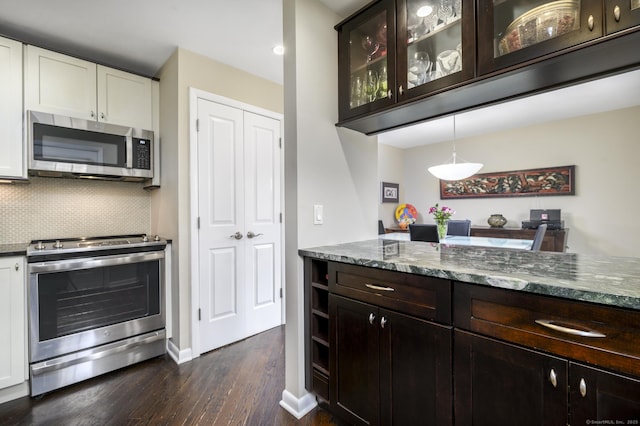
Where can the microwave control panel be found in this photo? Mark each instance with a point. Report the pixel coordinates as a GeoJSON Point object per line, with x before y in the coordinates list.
{"type": "Point", "coordinates": [141, 153]}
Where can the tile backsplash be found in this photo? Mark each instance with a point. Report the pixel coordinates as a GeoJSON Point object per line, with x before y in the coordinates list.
{"type": "Point", "coordinates": [60, 208]}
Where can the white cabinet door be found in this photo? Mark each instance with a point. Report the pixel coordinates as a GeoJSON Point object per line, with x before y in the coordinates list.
{"type": "Point", "coordinates": [12, 160]}
{"type": "Point", "coordinates": [124, 98]}
{"type": "Point", "coordinates": [59, 84]}
{"type": "Point", "coordinates": [13, 356]}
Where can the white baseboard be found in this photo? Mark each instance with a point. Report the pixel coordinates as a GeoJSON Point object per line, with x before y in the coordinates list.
{"type": "Point", "coordinates": [14, 392]}
{"type": "Point", "coordinates": [298, 407]}
{"type": "Point", "coordinates": [179, 356]}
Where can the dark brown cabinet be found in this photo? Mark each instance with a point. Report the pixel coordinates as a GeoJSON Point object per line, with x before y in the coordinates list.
{"type": "Point", "coordinates": [393, 51]}
{"type": "Point", "coordinates": [502, 384]}
{"type": "Point", "coordinates": [388, 368]}
{"type": "Point", "coordinates": [500, 380]}
{"type": "Point", "coordinates": [518, 31]}
{"type": "Point", "coordinates": [621, 15]}
{"type": "Point", "coordinates": [554, 239]}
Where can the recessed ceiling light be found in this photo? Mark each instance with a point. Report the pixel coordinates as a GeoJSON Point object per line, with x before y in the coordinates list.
{"type": "Point", "coordinates": [278, 50]}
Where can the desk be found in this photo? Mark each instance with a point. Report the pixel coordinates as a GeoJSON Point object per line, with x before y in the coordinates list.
{"type": "Point", "coordinates": [554, 239]}
{"type": "Point", "coordinates": [469, 241]}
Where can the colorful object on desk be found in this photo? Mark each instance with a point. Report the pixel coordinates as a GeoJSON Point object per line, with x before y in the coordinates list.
{"type": "Point", "coordinates": [406, 211]}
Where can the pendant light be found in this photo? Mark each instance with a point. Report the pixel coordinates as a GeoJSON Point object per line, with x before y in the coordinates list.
{"type": "Point", "coordinates": [454, 170]}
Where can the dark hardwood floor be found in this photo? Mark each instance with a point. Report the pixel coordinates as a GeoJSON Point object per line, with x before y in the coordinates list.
{"type": "Point", "coordinates": [240, 384]}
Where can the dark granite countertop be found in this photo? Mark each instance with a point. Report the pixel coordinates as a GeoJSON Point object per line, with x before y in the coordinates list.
{"type": "Point", "coordinates": [19, 249]}
{"type": "Point", "coordinates": [606, 280]}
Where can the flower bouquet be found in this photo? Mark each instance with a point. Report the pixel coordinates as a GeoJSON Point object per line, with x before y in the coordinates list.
{"type": "Point", "coordinates": [441, 216]}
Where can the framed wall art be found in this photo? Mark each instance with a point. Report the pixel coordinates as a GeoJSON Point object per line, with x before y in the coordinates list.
{"type": "Point", "coordinates": [390, 192]}
{"type": "Point", "coordinates": [518, 183]}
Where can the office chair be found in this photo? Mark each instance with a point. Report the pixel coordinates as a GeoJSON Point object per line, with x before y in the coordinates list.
{"type": "Point", "coordinates": [427, 233]}
{"type": "Point", "coordinates": [381, 228]}
{"type": "Point", "coordinates": [459, 227]}
{"type": "Point", "coordinates": [537, 239]}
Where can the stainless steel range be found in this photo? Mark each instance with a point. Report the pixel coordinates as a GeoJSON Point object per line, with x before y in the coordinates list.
{"type": "Point", "coordinates": [95, 305]}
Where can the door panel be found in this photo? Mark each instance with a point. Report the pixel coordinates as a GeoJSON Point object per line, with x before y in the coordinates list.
{"type": "Point", "coordinates": [239, 235]}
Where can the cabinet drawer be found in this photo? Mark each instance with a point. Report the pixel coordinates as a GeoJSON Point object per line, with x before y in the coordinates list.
{"type": "Point", "coordinates": [600, 335]}
{"type": "Point", "coordinates": [421, 296]}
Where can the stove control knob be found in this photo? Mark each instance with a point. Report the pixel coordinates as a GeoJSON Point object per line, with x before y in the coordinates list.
{"type": "Point", "coordinates": [40, 246]}
{"type": "Point", "coordinates": [145, 238]}
{"type": "Point", "coordinates": [156, 238]}
{"type": "Point", "coordinates": [58, 244]}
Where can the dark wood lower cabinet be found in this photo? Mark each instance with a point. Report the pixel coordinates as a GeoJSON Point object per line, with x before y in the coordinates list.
{"type": "Point", "coordinates": [388, 368]}
{"type": "Point", "coordinates": [502, 384]}
{"type": "Point", "coordinates": [601, 397]}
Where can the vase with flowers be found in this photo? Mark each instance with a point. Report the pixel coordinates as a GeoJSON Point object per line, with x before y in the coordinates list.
{"type": "Point", "coordinates": [441, 215]}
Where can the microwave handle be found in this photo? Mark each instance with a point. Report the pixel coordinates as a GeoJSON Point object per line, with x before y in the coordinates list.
{"type": "Point", "coordinates": [129, 151]}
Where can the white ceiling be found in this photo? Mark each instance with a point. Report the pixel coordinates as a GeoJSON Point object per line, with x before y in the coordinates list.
{"type": "Point", "coordinates": [140, 35]}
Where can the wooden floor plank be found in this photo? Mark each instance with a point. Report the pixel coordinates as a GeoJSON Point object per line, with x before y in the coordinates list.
{"type": "Point", "coordinates": [240, 384]}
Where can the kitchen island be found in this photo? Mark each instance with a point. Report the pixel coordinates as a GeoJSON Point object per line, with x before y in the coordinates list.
{"type": "Point", "coordinates": [401, 330]}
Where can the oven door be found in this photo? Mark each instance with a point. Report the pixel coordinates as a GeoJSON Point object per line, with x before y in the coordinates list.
{"type": "Point", "coordinates": [77, 304]}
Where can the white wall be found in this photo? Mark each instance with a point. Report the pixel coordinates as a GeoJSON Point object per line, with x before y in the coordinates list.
{"type": "Point", "coordinates": [325, 165]}
{"type": "Point", "coordinates": [390, 169]}
{"type": "Point", "coordinates": [601, 217]}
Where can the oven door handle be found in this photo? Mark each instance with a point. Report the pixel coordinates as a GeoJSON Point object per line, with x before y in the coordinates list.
{"type": "Point", "coordinates": [111, 349]}
{"type": "Point", "coordinates": [94, 262]}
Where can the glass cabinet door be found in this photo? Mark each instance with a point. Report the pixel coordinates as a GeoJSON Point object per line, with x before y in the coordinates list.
{"type": "Point", "coordinates": [435, 44]}
{"type": "Point", "coordinates": [515, 31]}
{"type": "Point", "coordinates": [367, 67]}
{"type": "Point", "coordinates": [621, 15]}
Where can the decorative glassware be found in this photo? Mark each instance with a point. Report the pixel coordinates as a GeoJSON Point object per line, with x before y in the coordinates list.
{"type": "Point", "coordinates": [382, 83]}
{"type": "Point", "coordinates": [445, 11]}
{"type": "Point", "coordinates": [420, 66]}
{"type": "Point", "coordinates": [442, 229]}
{"type": "Point", "coordinates": [371, 85]}
{"type": "Point", "coordinates": [370, 46]}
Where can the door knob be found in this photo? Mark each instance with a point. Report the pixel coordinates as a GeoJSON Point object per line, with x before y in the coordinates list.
{"type": "Point", "coordinates": [237, 236]}
{"type": "Point", "coordinates": [252, 235]}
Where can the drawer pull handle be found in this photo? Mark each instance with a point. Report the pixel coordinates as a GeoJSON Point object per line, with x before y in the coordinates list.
{"type": "Point", "coordinates": [372, 318]}
{"type": "Point", "coordinates": [377, 287]}
{"type": "Point", "coordinates": [573, 331]}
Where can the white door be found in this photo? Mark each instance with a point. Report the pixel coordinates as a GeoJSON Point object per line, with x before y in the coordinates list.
{"type": "Point", "coordinates": [239, 234]}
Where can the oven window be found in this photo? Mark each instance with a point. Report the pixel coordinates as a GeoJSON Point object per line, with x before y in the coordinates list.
{"type": "Point", "coordinates": [53, 143]}
{"type": "Point", "coordinates": [74, 301]}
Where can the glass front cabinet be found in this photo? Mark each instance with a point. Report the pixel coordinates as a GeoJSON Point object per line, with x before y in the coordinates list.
{"type": "Point", "coordinates": [513, 32]}
{"type": "Point", "coordinates": [621, 14]}
{"type": "Point", "coordinates": [398, 50]}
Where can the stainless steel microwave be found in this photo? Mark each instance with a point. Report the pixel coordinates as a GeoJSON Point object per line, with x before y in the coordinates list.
{"type": "Point", "coordinates": [62, 146]}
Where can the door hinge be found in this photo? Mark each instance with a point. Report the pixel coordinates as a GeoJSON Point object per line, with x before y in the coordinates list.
{"type": "Point", "coordinates": [280, 143]}
{"type": "Point", "coordinates": [197, 124]}
{"type": "Point", "coordinates": [199, 315]}
{"type": "Point", "coordinates": [280, 292]}
{"type": "Point", "coordinates": [280, 217]}
{"type": "Point", "coordinates": [198, 222]}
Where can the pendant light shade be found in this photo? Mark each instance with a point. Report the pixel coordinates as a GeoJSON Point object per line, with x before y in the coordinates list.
{"type": "Point", "coordinates": [454, 170]}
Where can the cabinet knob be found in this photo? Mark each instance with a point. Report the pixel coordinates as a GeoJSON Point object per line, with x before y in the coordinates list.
{"type": "Point", "coordinates": [93, 114]}
{"type": "Point", "coordinates": [102, 116]}
{"type": "Point", "coordinates": [400, 90]}
{"type": "Point", "coordinates": [390, 94]}
{"type": "Point", "coordinates": [583, 387]}
{"type": "Point", "coordinates": [383, 322]}
{"type": "Point", "coordinates": [616, 13]}
{"type": "Point", "coordinates": [17, 266]}
{"type": "Point", "coordinates": [372, 318]}
{"type": "Point", "coordinates": [553, 378]}
{"type": "Point", "coordinates": [590, 22]}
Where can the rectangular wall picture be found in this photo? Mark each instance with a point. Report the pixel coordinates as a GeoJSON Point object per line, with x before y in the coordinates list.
{"type": "Point", "coordinates": [519, 183]}
{"type": "Point", "coordinates": [390, 192]}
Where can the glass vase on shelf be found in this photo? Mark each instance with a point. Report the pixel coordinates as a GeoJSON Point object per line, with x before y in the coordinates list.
{"type": "Point", "coordinates": [442, 229]}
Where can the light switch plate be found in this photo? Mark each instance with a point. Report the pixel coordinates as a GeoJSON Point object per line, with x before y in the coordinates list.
{"type": "Point", "coordinates": [318, 214]}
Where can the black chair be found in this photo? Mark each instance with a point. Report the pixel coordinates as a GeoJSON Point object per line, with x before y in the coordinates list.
{"type": "Point", "coordinates": [427, 233]}
{"type": "Point", "coordinates": [459, 227]}
{"type": "Point", "coordinates": [537, 240]}
{"type": "Point", "coordinates": [381, 228]}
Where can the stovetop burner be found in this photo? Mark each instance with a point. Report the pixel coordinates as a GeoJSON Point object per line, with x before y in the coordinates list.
{"type": "Point", "coordinates": [79, 245]}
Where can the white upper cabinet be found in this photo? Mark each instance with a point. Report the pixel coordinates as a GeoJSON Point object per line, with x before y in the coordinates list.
{"type": "Point", "coordinates": [64, 85]}
{"type": "Point", "coordinates": [124, 98]}
{"type": "Point", "coordinates": [12, 159]}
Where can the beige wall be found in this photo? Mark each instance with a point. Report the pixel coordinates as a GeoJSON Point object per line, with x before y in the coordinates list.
{"type": "Point", "coordinates": [171, 214]}
{"type": "Point", "coordinates": [602, 216]}
{"type": "Point", "coordinates": [390, 169]}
